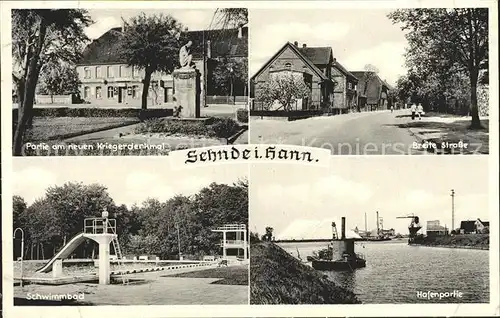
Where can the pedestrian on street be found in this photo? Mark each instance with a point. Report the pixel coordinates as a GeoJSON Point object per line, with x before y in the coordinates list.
{"type": "Point", "coordinates": [392, 108]}
{"type": "Point", "coordinates": [420, 111]}
{"type": "Point", "coordinates": [413, 110]}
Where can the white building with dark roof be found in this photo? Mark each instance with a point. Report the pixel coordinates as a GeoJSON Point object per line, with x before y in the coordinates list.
{"type": "Point", "coordinates": [107, 80]}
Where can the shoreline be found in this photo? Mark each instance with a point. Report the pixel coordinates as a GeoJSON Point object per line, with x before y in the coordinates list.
{"type": "Point", "coordinates": [466, 247]}
{"type": "Point", "coordinates": [278, 278]}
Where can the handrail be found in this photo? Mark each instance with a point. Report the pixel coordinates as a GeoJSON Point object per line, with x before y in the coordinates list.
{"type": "Point", "coordinates": [99, 226]}
{"type": "Point", "coordinates": [231, 227]}
{"type": "Point", "coordinates": [234, 242]}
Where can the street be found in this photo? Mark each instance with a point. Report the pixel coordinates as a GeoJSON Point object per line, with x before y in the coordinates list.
{"type": "Point", "coordinates": [368, 133]}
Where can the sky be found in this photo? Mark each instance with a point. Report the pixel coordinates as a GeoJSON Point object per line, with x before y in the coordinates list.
{"type": "Point", "coordinates": [393, 185]}
{"type": "Point", "coordinates": [357, 37]}
{"type": "Point", "coordinates": [129, 180]}
{"type": "Point", "coordinates": [105, 19]}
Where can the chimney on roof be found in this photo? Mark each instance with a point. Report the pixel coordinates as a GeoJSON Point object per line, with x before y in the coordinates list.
{"type": "Point", "coordinates": [296, 43]}
{"type": "Point", "coordinates": [304, 45]}
{"type": "Point", "coordinates": [334, 60]}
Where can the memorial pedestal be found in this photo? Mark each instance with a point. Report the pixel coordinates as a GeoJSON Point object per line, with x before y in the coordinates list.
{"type": "Point", "coordinates": [186, 87]}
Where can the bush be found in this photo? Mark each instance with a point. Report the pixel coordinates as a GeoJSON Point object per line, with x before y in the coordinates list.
{"type": "Point", "coordinates": [221, 127]}
{"type": "Point", "coordinates": [225, 127]}
{"type": "Point", "coordinates": [172, 127]}
{"type": "Point", "coordinates": [254, 237]}
{"type": "Point", "coordinates": [97, 112]}
{"type": "Point", "coordinates": [242, 115]}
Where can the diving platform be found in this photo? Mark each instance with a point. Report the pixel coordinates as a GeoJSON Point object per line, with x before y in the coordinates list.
{"type": "Point", "coordinates": [240, 231]}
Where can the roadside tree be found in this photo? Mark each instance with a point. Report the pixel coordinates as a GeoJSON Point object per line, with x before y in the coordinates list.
{"type": "Point", "coordinates": [285, 88]}
{"type": "Point", "coordinates": [152, 43]}
{"type": "Point", "coordinates": [440, 39]}
{"type": "Point", "coordinates": [59, 79]}
{"type": "Point", "coordinates": [40, 36]}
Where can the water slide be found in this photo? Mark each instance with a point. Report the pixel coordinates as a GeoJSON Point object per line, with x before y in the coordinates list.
{"type": "Point", "coordinates": [63, 253]}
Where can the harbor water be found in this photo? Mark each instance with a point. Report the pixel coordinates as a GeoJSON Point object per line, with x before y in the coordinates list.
{"type": "Point", "coordinates": [396, 272]}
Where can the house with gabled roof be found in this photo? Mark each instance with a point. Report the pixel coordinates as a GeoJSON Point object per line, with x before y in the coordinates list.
{"type": "Point", "coordinates": [332, 86]}
{"type": "Point", "coordinates": [471, 226]}
{"type": "Point", "coordinates": [107, 80]}
{"type": "Point", "coordinates": [372, 91]}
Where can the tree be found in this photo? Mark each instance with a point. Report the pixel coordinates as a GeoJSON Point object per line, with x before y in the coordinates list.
{"type": "Point", "coordinates": [442, 38]}
{"type": "Point", "coordinates": [285, 88]}
{"type": "Point", "coordinates": [230, 74]}
{"type": "Point", "coordinates": [151, 43]}
{"type": "Point", "coordinates": [254, 237]}
{"type": "Point", "coordinates": [227, 18]}
{"type": "Point", "coordinates": [269, 234]}
{"type": "Point", "coordinates": [73, 202]}
{"type": "Point", "coordinates": [370, 73]}
{"type": "Point", "coordinates": [18, 211]}
{"type": "Point", "coordinates": [40, 36]}
{"type": "Point", "coordinates": [59, 79]}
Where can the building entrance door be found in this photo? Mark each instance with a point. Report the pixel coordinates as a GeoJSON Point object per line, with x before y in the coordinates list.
{"type": "Point", "coordinates": [120, 94]}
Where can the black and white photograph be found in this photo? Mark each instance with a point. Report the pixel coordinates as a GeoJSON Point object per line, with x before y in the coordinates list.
{"type": "Point", "coordinates": [371, 81]}
{"type": "Point", "coordinates": [128, 82]}
{"type": "Point", "coordinates": [144, 236]}
{"type": "Point", "coordinates": [370, 231]}
{"type": "Point", "coordinates": [249, 159]}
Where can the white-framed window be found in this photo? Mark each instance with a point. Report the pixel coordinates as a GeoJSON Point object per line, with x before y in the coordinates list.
{"type": "Point", "coordinates": [110, 72]}
{"type": "Point", "coordinates": [288, 65]}
{"type": "Point", "coordinates": [88, 72]}
{"type": "Point", "coordinates": [135, 91]}
{"type": "Point", "coordinates": [98, 72]}
{"type": "Point", "coordinates": [349, 85]}
{"type": "Point", "coordinates": [121, 71]}
{"type": "Point", "coordinates": [86, 92]}
{"type": "Point", "coordinates": [98, 92]}
{"type": "Point", "coordinates": [111, 92]}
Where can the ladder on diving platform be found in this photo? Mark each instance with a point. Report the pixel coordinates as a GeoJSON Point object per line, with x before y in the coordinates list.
{"type": "Point", "coordinates": [119, 256]}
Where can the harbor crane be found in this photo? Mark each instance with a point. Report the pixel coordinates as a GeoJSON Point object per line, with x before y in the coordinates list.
{"type": "Point", "coordinates": [414, 226]}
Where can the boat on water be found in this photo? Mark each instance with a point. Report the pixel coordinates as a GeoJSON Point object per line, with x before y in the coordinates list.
{"type": "Point", "coordinates": [377, 239]}
{"type": "Point", "coordinates": [347, 263]}
{"type": "Point", "coordinates": [339, 255]}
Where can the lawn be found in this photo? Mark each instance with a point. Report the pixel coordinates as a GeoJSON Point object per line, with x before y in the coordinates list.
{"type": "Point", "coordinates": [58, 128]}
{"type": "Point", "coordinates": [233, 275]}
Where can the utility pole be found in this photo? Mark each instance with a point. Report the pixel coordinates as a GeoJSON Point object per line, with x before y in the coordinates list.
{"type": "Point", "coordinates": [378, 229]}
{"type": "Point", "coordinates": [179, 241]}
{"type": "Point", "coordinates": [206, 47]}
{"type": "Point", "coordinates": [366, 230]}
{"type": "Point", "coordinates": [452, 209]}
